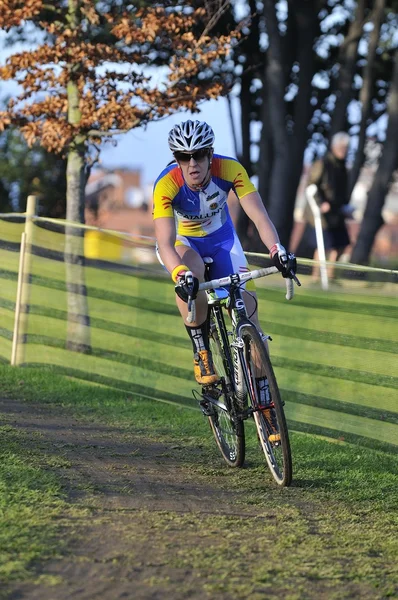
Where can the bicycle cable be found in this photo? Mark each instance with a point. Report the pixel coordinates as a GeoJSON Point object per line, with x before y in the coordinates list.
{"type": "Point", "coordinates": [254, 298]}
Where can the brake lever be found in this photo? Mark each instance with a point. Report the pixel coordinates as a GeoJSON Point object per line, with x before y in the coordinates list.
{"type": "Point", "coordinates": [191, 317]}
{"type": "Point", "coordinates": [191, 302]}
{"type": "Point", "coordinates": [295, 279]}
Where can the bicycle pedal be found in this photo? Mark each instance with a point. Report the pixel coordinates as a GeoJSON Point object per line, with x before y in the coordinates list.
{"type": "Point", "coordinates": [245, 414]}
{"type": "Point", "coordinates": [206, 408]}
{"type": "Point", "coordinates": [212, 391]}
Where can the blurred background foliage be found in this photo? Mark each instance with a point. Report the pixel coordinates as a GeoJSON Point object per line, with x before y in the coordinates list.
{"type": "Point", "coordinates": [25, 170]}
{"type": "Point", "coordinates": [302, 70]}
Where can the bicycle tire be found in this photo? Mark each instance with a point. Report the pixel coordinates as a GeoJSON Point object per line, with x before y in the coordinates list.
{"type": "Point", "coordinates": [277, 452]}
{"type": "Point", "coordinates": [227, 430]}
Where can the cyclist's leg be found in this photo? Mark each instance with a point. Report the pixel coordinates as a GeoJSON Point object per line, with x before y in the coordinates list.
{"type": "Point", "coordinates": [204, 370]}
{"type": "Point", "coordinates": [228, 259]}
{"type": "Point", "coordinates": [191, 258]}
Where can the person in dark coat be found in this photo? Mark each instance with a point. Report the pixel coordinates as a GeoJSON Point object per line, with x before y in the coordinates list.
{"type": "Point", "coordinates": [328, 184]}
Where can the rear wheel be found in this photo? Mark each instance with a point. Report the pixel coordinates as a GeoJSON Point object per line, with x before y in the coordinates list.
{"type": "Point", "coordinates": [271, 422]}
{"type": "Point", "coordinates": [227, 429]}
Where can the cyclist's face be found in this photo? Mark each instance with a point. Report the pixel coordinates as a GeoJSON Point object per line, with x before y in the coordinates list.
{"type": "Point", "coordinates": [194, 166]}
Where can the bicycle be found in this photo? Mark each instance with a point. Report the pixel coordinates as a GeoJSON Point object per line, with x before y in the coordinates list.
{"type": "Point", "coordinates": [239, 355]}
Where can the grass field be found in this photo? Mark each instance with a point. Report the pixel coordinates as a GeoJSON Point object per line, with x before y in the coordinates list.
{"type": "Point", "coordinates": [333, 353]}
{"type": "Point", "coordinates": [331, 535]}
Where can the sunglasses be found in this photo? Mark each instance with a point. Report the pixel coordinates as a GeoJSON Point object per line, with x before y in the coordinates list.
{"type": "Point", "coordinates": [184, 157]}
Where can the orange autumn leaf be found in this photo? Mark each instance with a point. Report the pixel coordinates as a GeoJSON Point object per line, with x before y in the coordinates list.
{"type": "Point", "coordinates": [105, 73]}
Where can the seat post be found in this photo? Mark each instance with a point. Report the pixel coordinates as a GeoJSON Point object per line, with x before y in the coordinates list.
{"type": "Point", "coordinates": [208, 261]}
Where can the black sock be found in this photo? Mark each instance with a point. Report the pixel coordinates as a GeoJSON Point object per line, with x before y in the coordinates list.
{"type": "Point", "coordinates": [199, 337]}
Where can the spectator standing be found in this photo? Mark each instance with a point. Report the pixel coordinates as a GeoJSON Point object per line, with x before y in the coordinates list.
{"type": "Point", "coordinates": [327, 183]}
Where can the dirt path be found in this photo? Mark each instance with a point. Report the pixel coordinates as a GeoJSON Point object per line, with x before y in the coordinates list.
{"type": "Point", "coordinates": [123, 480]}
{"type": "Point", "coordinates": [124, 471]}
{"type": "Point", "coordinates": [145, 525]}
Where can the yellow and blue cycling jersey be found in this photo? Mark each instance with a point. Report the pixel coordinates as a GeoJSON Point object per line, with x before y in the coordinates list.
{"type": "Point", "coordinates": [200, 213]}
{"type": "Point", "coordinates": [202, 217]}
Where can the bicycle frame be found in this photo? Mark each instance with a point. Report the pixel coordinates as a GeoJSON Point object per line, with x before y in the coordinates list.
{"type": "Point", "coordinates": [233, 301]}
{"type": "Point", "coordinates": [243, 361]}
{"type": "Point", "coordinates": [237, 310]}
{"type": "Point", "coordinates": [233, 352]}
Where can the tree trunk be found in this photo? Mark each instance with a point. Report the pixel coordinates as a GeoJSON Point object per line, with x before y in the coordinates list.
{"type": "Point", "coordinates": [372, 219]}
{"type": "Point", "coordinates": [289, 149]}
{"type": "Point", "coordinates": [245, 102]}
{"type": "Point", "coordinates": [243, 220]}
{"type": "Point", "coordinates": [78, 331]}
{"type": "Point", "coordinates": [365, 96]}
{"type": "Point", "coordinates": [275, 81]}
{"type": "Point", "coordinates": [253, 241]}
{"type": "Point", "coordinates": [306, 23]}
{"type": "Point", "coordinates": [265, 158]}
{"type": "Point", "coordinates": [232, 123]}
{"type": "Point", "coordinates": [348, 60]}
{"type": "Point", "coordinates": [250, 50]}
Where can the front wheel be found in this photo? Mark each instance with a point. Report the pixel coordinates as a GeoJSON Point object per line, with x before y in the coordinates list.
{"type": "Point", "coordinates": [270, 422]}
{"type": "Point", "coordinates": [228, 431]}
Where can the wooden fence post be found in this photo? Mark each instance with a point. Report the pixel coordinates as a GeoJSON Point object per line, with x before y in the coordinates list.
{"type": "Point", "coordinates": [23, 287]}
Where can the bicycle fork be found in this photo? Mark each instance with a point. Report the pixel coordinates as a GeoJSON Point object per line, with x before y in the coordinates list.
{"type": "Point", "coordinates": [243, 379]}
{"type": "Point", "coordinates": [240, 384]}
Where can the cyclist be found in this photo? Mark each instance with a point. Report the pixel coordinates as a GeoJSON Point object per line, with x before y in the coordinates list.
{"type": "Point", "coordinates": [192, 221]}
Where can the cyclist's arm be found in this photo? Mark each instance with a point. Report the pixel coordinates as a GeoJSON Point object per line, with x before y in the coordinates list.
{"type": "Point", "coordinates": [255, 210]}
{"type": "Point", "coordinates": [165, 232]}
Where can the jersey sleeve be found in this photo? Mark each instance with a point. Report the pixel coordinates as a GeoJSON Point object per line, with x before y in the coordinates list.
{"type": "Point", "coordinates": [231, 170]}
{"type": "Point", "coordinates": [165, 190]}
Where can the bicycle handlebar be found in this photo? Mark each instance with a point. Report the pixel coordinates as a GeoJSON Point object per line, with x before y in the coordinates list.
{"type": "Point", "coordinates": [240, 278]}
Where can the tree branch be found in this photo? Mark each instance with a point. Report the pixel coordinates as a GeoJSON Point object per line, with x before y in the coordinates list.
{"type": "Point", "coordinates": [214, 18]}
{"type": "Point", "coordinates": [358, 31]}
{"type": "Point", "coordinates": [95, 133]}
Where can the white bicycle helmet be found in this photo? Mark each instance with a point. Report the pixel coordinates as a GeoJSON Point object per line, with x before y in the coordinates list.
{"type": "Point", "coordinates": [190, 136]}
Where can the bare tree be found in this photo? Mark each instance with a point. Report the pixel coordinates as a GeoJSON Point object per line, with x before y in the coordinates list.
{"type": "Point", "coordinates": [372, 219]}
{"type": "Point", "coordinates": [365, 95]}
{"type": "Point", "coordinates": [289, 132]}
{"type": "Point", "coordinates": [348, 58]}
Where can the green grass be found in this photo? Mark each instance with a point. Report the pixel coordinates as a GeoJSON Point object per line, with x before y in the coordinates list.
{"type": "Point", "coordinates": [115, 406]}
{"type": "Point", "coordinates": [332, 352]}
{"type": "Point", "coordinates": [334, 356]}
{"type": "Point", "coordinates": [334, 528]}
{"type": "Point", "coordinates": [31, 502]}
{"type": "Point", "coordinates": [171, 421]}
